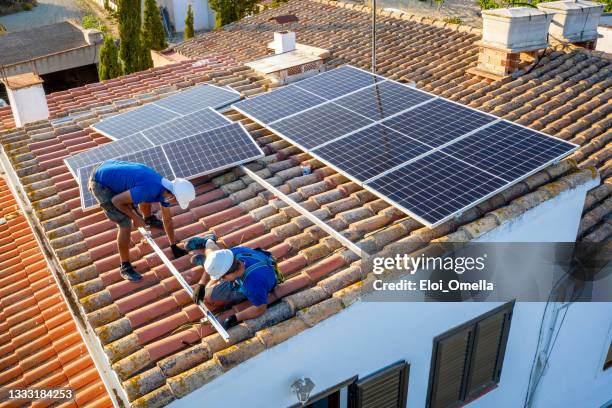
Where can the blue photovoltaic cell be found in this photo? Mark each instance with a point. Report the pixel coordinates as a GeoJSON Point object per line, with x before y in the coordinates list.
{"type": "Point", "coordinates": [197, 122]}
{"type": "Point", "coordinates": [128, 123]}
{"type": "Point", "coordinates": [319, 125]}
{"type": "Point", "coordinates": [211, 151]}
{"type": "Point", "coordinates": [509, 151]}
{"type": "Point", "coordinates": [436, 187]}
{"type": "Point", "coordinates": [438, 122]}
{"type": "Point", "coordinates": [338, 82]}
{"type": "Point", "coordinates": [106, 151]}
{"type": "Point", "coordinates": [271, 106]}
{"type": "Point", "coordinates": [370, 151]}
{"type": "Point", "coordinates": [382, 100]}
{"type": "Point", "coordinates": [87, 199]}
{"type": "Point", "coordinates": [198, 97]}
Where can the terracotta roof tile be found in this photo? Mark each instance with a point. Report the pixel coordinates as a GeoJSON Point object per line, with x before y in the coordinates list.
{"type": "Point", "coordinates": [39, 340]}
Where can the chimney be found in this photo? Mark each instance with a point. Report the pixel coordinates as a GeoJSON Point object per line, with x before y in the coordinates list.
{"type": "Point", "coordinates": [93, 37]}
{"type": "Point", "coordinates": [574, 21]}
{"type": "Point", "coordinates": [284, 41]}
{"type": "Point", "coordinates": [27, 98]}
{"type": "Point", "coordinates": [510, 37]}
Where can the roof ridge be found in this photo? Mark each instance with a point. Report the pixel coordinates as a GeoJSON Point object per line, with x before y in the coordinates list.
{"type": "Point", "coordinates": [402, 16]}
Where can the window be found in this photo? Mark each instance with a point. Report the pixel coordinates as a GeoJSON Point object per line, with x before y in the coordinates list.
{"type": "Point", "coordinates": [385, 388]}
{"type": "Point", "coordinates": [467, 360]}
{"type": "Point", "coordinates": [608, 362]}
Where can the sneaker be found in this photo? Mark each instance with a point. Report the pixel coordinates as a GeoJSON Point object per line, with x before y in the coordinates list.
{"type": "Point", "coordinates": [128, 272]}
{"type": "Point", "coordinates": [199, 242]}
{"type": "Point", "coordinates": [198, 259]}
{"type": "Point", "coordinates": [154, 222]}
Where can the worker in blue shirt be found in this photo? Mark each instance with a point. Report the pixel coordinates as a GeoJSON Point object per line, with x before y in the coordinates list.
{"type": "Point", "coordinates": [120, 186]}
{"type": "Point", "coordinates": [233, 275]}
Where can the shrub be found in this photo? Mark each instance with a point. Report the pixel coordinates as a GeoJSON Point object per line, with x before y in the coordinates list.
{"type": "Point", "coordinates": [453, 20]}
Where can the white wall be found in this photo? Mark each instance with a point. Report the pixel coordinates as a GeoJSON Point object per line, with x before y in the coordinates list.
{"type": "Point", "coordinates": [368, 336]}
{"type": "Point", "coordinates": [201, 18]}
{"type": "Point", "coordinates": [28, 104]}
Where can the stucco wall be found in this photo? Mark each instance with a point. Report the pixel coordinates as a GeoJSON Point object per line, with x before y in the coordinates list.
{"type": "Point", "coordinates": [59, 62]}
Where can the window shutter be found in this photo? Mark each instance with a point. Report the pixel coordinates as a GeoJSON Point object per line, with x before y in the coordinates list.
{"type": "Point", "coordinates": [387, 388]}
{"type": "Point", "coordinates": [450, 357]}
{"type": "Point", "coordinates": [488, 352]}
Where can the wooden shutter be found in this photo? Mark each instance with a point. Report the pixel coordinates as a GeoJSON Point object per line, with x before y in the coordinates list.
{"type": "Point", "coordinates": [387, 388]}
{"type": "Point", "coordinates": [488, 351]}
{"type": "Point", "coordinates": [450, 356]}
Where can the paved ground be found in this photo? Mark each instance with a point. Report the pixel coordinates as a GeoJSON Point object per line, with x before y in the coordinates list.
{"type": "Point", "coordinates": [46, 12]}
{"type": "Point", "coordinates": [467, 10]}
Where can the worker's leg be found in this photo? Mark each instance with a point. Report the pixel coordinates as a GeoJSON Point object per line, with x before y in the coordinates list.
{"type": "Point", "coordinates": [123, 242]}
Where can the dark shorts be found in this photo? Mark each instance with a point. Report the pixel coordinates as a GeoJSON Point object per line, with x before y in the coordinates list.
{"type": "Point", "coordinates": [225, 292]}
{"type": "Point", "coordinates": [104, 196]}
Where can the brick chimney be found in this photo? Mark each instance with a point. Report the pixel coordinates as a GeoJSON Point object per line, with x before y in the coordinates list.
{"type": "Point", "coordinates": [574, 21]}
{"type": "Point", "coordinates": [510, 38]}
{"type": "Point", "coordinates": [27, 98]}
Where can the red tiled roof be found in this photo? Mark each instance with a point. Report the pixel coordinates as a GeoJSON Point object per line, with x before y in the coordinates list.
{"type": "Point", "coordinates": [39, 343]}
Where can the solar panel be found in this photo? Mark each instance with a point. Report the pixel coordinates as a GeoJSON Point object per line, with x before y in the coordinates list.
{"type": "Point", "coordinates": [338, 82]}
{"type": "Point", "coordinates": [87, 199]}
{"type": "Point", "coordinates": [153, 157]}
{"type": "Point", "coordinates": [438, 122]}
{"type": "Point", "coordinates": [106, 151]}
{"type": "Point", "coordinates": [211, 151]}
{"type": "Point", "coordinates": [436, 187]}
{"type": "Point", "coordinates": [198, 97]}
{"type": "Point", "coordinates": [128, 123]}
{"type": "Point", "coordinates": [187, 125]}
{"type": "Point", "coordinates": [383, 100]}
{"type": "Point", "coordinates": [319, 125]}
{"type": "Point", "coordinates": [271, 106]}
{"type": "Point", "coordinates": [369, 152]}
{"type": "Point", "coordinates": [508, 151]}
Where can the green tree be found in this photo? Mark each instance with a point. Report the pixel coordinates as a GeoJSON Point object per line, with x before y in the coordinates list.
{"type": "Point", "coordinates": [109, 66]}
{"type": "Point", "coordinates": [129, 34]}
{"type": "Point", "coordinates": [228, 11]}
{"type": "Point", "coordinates": [188, 24]}
{"type": "Point", "coordinates": [144, 57]}
{"type": "Point", "coordinates": [153, 33]}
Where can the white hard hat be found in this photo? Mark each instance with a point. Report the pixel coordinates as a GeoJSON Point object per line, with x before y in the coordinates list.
{"type": "Point", "coordinates": [182, 189]}
{"type": "Point", "coordinates": [218, 263]}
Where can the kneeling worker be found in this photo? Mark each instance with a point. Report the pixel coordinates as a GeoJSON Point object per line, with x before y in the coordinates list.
{"type": "Point", "coordinates": [118, 186]}
{"type": "Point", "coordinates": [233, 275]}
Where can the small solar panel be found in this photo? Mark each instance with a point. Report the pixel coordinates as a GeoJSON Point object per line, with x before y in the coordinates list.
{"type": "Point", "coordinates": [271, 106]}
{"type": "Point", "coordinates": [153, 157]}
{"type": "Point", "coordinates": [338, 82]}
{"type": "Point", "coordinates": [211, 151]}
{"type": "Point", "coordinates": [382, 100]}
{"type": "Point", "coordinates": [87, 199]}
{"type": "Point", "coordinates": [369, 152]}
{"type": "Point", "coordinates": [198, 97]}
{"type": "Point", "coordinates": [131, 122]}
{"type": "Point", "coordinates": [509, 151]}
{"type": "Point", "coordinates": [438, 122]}
{"type": "Point", "coordinates": [319, 125]}
{"type": "Point", "coordinates": [106, 151]}
{"type": "Point", "coordinates": [436, 187]}
{"type": "Point", "coordinates": [196, 122]}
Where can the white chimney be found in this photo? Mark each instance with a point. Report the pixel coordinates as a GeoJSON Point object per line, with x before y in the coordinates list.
{"type": "Point", "coordinates": [284, 41]}
{"type": "Point", "coordinates": [93, 37]}
{"type": "Point", "coordinates": [516, 29]}
{"type": "Point", "coordinates": [27, 98]}
{"type": "Point", "coordinates": [573, 21]}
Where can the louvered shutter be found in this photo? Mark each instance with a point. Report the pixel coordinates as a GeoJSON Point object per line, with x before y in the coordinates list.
{"type": "Point", "coordinates": [387, 388]}
{"type": "Point", "coordinates": [488, 351]}
{"type": "Point", "coordinates": [450, 359]}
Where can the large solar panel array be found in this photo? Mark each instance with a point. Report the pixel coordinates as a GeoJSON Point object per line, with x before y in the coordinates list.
{"type": "Point", "coordinates": [431, 157]}
{"type": "Point", "coordinates": [164, 110]}
{"type": "Point", "coordinates": [188, 157]}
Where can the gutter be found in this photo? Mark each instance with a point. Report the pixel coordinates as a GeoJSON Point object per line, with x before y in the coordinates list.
{"type": "Point", "coordinates": [94, 347]}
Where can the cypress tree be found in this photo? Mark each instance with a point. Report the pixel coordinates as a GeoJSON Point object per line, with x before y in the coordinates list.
{"type": "Point", "coordinates": [144, 58]}
{"type": "Point", "coordinates": [109, 66]}
{"type": "Point", "coordinates": [153, 30]}
{"type": "Point", "coordinates": [188, 24]}
{"type": "Point", "coordinates": [129, 34]}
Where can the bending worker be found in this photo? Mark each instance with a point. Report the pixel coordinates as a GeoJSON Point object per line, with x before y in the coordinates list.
{"type": "Point", "coordinates": [233, 275]}
{"type": "Point", "coordinates": [119, 186]}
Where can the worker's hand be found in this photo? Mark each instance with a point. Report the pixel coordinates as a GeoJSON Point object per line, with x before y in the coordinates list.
{"type": "Point", "coordinates": [230, 322]}
{"type": "Point", "coordinates": [198, 293]}
{"type": "Point", "coordinates": [178, 251]}
{"type": "Point", "coordinates": [138, 222]}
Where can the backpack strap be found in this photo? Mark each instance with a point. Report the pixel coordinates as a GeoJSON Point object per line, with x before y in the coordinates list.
{"type": "Point", "coordinates": [262, 258]}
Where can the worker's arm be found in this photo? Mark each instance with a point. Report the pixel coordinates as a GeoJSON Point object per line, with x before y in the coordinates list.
{"type": "Point", "coordinates": [123, 202]}
{"type": "Point", "coordinates": [251, 312]}
{"type": "Point", "coordinates": [168, 224]}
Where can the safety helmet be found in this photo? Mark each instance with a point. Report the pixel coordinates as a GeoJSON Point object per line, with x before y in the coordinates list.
{"type": "Point", "coordinates": [182, 189]}
{"type": "Point", "coordinates": [219, 263]}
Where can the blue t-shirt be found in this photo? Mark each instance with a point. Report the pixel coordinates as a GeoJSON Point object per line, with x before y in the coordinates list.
{"type": "Point", "coordinates": [143, 182]}
{"type": "Point", "coordinates": [259, 282]}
